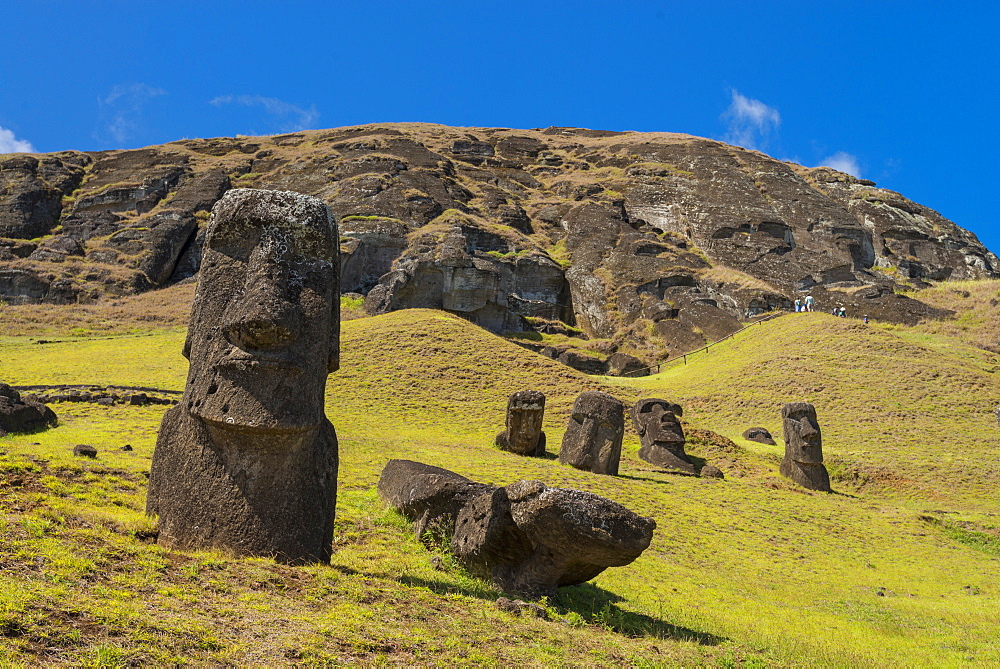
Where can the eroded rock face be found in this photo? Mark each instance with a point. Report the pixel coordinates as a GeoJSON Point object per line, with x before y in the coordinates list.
{"type": "Point", "coordinates": [657, 422]}
{"type": "Point", "coordinates": [593, 438]}
{"type": "Point", "coordinates": [524, 435]}
{"type": "Point", "coordinates": [525, 537]}
{"type": "Point", "coordinates": [247, 462]}
{"type": "Point", "coordinates": [803, 461]}
{"type": "Point", "coordinates": [759, 434]}
{"type": "Point", "coordinates": [23, 415]}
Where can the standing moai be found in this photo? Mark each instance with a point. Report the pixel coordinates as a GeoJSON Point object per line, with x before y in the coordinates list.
{"type": "Point", "coordinates": [524, 435]}
{"type": "Point", "coordinates": [803, 462]}
{"type": "Point", "coordinates": [593, 439]}
{"type": "Point", "coordinates": [247, 461]}
{"type": "Point", "coordinates": [661, 435]}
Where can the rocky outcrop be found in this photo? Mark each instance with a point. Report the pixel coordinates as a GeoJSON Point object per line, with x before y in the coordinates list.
{"type": "Point", "coordinates": [659, 241]}
{"type": "Point", "coordinates": [19, 414]}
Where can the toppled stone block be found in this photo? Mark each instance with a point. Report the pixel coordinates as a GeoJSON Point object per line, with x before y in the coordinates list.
{"type": "Point", "coordinates": [711, 472]}
{"type": "Point", "coordinates": [526, 537]}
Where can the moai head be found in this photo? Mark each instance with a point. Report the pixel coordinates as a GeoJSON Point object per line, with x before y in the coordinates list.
{"type": "Point", "coordinates": [803, 442]}
{"type": "Point", "coordinates": [593, 438]}
{"type": "Point", "coordinates": [657, 423]}
{"type": "Point", "coordinates": [265, 325]}
{"type": "Point", "coordinates": [525, 410]}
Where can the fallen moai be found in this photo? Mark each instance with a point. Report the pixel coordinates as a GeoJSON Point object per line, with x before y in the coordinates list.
{"type": "Point", "coordinates": [524, 435]}
{"type": "Point", "coordinates": [527, 538]}
{"type": "Point", "coordinates": [803, 461]}
{"type": "Point", "coordinates": [661, 435]}
{"type": "Point", "coordinates": [593, 438]}
{"type": "Point", "coordinates": [759, 434]}
{"type": "Point", "coordinates": [26, 414]}
{"type": "Point", "coordinates": [247, 462]}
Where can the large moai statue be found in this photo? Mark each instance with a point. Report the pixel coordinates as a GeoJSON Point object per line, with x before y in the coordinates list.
{"type": "Point", "coordinates": [662, 437]}
{"type": "Point", "coordinates": [524, 435]}
{"type": "Point", "coordinates": [247, 462]}
{"type": "Point", "coordinates": [593, 439]}
{"type": "Point", "coordinates": [803, 462]}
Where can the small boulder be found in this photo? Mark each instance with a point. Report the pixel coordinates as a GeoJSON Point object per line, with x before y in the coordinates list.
{"type": "Point", "coordinates": [85, 451]}
{"type": "Point", "coordinates": [760, 435]}
{"type": "Point", "coordinates": [19, 414]}
{"type": "Point", "coordinates": [711, 472]}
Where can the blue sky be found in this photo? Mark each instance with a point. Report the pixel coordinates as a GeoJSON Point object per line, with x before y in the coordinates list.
{"type": "Point", "coordinates": [903, 93]}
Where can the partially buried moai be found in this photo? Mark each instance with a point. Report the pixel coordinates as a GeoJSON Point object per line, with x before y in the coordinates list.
{"type": "Point", "coordinates": [593, 438]}
{"type": "Point", "coordinates": [657, 422]}
{"type": "Point", "coordinates": [247, 462]}
{"type": "Point", "coordinates": [524, 435]}
{"type": "Point", "coordinates": [803, 462]}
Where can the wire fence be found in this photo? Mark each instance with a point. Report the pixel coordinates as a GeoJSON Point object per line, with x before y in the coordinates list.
{"type": "Point", "coordinates": [684, 356]}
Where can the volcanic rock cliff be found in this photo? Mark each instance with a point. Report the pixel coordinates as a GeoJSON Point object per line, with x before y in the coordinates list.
{"type": "Point", "coordinates": [655, 242]}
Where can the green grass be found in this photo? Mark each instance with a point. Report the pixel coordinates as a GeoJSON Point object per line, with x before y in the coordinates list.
{"type": "Point", "coordinates": [897, 568]}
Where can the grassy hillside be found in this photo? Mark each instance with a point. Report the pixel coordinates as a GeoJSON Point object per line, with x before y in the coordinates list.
{"type": "Point", "coordinates": [897, 567]}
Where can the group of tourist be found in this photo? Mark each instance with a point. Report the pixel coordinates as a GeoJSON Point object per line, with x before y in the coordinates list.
{"type": "Point", "coordinates": [804, 305]}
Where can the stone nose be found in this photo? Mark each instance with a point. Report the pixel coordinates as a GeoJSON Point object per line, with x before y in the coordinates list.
{"type": "Point", "coordinates": [806, 429]}
{"type": "Point", "coordinates": [265, 317]}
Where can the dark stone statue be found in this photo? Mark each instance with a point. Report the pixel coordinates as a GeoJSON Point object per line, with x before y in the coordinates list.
{"type": "Point", "coordinates": [247, 462]}
{"type": "Point", "coordinates": [759, 434]}
{"type": "Point", "coordinates": [593, 439]}
{"type": "Point", "coordinates": [803, 462]}
{"type": "Point", "coordinates": [524, 436]}
{"type": "Point", "coordinates": [661, 434]}
{"type": "Point", "coordinates": [526, 537]}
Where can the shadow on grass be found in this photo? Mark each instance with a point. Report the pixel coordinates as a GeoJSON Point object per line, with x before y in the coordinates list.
{"type": "Point", "coordinates": [599, 607]}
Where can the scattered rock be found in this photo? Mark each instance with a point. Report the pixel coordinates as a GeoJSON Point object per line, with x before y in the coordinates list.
{"type": "Point", "coordinates": [85, 450]}
{"type": "Point", "coordinates": [517, 607]}
{"type": "Point", "coordinates": [711, 472]}
{"type": "Point", "coordinates": [23, 415]}
{"type": "Point", "coordinates": [127, 448]}
{"type": "Point", "coordinates": [760, 435]}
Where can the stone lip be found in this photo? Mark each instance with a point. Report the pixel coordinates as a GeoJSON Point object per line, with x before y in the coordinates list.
{"type": "Point", "coordinates": [526, 537]}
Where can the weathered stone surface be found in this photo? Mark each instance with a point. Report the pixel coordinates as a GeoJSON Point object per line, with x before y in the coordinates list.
{"type": "Point", "coordinates": [803, 461]}
{"type": "Point", "coordinates": [57, 249]}
{"type": "Point", "coordinates": [32, 188]}
{"type": "Point", "coordinates": [711, 472]}
{"type": "Point", "coordinates": [85, 451]}
{"type": "Point", "coordinates": [526, 537]}
{"type": "Point", "coordinates": [524, 435]}
{"type": "Point", "coordinates": [22, 286]}
{"type": "Point", "coordinates": [593, 438]}
{"type": "Point", "coordinates": [760, 435]}
{"type": "Point", "coordinates": [247, 462]}
{"type": "Point", "coordinates": [19, 414]}
{"type": "Point", "coordinates": [582, 362]}
{"type": "Point", "coordinates": [623, 364]}
{"type": "Point", "coordinates": [661, 435]}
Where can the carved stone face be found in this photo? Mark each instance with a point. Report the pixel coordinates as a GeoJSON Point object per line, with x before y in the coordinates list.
{"type": "Point", "coordinates": [657, 423]}
{"type": "Point", "coordinates": [525, 411]}
{"type": "Point", "coordinates": [803, 441]}
{"type": "Point", "coordinates": [265, 324]}
{"type": "Point", "coordinates": [593, 437]}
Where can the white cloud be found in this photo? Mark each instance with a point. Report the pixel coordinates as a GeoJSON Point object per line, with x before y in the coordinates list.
{"type": "Point", "coordinates": [844, 162]}
{"type": "Point", "coordinates": [11, 144]}
{"type": "Point", "coordinates": [750, 122]}
{"type": "Point", "coordinates": [292, 117]}
{"type": "Point", "coordinates": [121, 111]}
